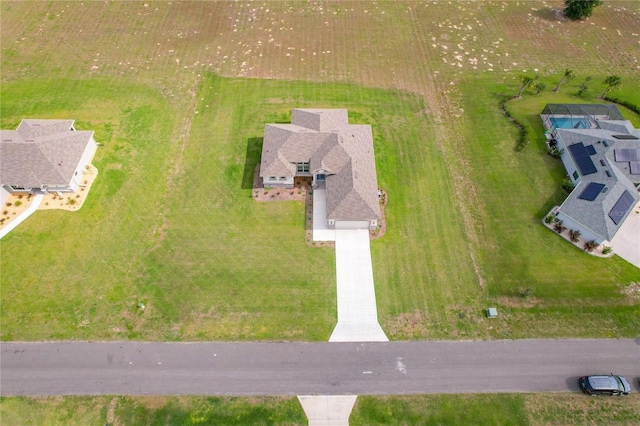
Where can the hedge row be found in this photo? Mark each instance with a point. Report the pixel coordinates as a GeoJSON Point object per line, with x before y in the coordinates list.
{"type": "Point", "coordinates": [524, 139]}
{"type": "Point", "coordinates": [632, 107]}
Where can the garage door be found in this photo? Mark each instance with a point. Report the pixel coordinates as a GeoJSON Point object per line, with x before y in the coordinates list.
{"type": "Point", "coordinates": [352, 224]}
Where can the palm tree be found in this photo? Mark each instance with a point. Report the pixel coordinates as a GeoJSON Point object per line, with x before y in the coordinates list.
{"type": "Point", "coordinates": [590, 245]}
{"type": "Point", "coordinates": [612, 82]}
{"type": "Point", "coordinates": [574, 235]}
{"type": "Point", "coordinates": [558, 227]}
{"type": "Point", "coordinates": [540, 86]}
{"type": "Point", "coordinates": [527, 82]}
{"type": "Point", "coordinates": [568, 75]}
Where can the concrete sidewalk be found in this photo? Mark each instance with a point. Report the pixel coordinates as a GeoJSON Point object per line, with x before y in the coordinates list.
{"type": "Point", "coordinates": [35, 203]}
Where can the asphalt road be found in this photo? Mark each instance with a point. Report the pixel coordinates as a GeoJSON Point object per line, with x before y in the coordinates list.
{"type": "Point", "coordinates": [82, 368]}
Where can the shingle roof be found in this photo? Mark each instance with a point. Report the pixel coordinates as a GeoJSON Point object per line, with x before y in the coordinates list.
{"type": "Point", "coordinates": [41, 152]}
{"type": "Point", "coordinates": [325, 139]}
{"type": "Point", "coordinates": [595, 214]}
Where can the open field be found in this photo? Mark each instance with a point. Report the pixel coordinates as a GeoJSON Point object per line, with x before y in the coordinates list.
{"type": "Point", "coordinates": [484, 409]}
{"type": "Point", "coordinates": [170, 221]}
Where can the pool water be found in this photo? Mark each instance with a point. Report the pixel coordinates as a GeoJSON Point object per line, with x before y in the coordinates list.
{"type": "Point", "coordinates": [568, 123]}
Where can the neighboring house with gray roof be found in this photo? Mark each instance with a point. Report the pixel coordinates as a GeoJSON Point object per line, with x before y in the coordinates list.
{"type": "Point", "coordinates": [602, 159]}
{"type": "Point", "coordinates": [44, 156]}
{"type": "Point", "coordinates": [338, 156]}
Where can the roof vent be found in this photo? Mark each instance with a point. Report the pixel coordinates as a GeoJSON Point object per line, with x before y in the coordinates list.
{"type": "Point", "coordinates": [608, 173]}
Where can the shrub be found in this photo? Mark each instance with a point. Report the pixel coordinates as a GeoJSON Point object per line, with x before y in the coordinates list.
{"type": "Point", "coordinates": [574, 235]}
{"type": "Point", "coordinates": [632, 107]}
{"type": "Point", "coordinates": [555, 152]}
{"type": "Point", "coordinates": [526, 292]}
{"type": "Point", "coordinates": [558, 227]}
{"type": "Point", "coordinates": [606, 250]}
{"type": "Point", "coordinates": [17, 203]}
{"type": "Point", "coordinates": [590, 245]}
{"type": "Point", "coordinates": [550, 218]}
{"type": "Point", "coordinates": [8, 204]}
{"type": "Point", "coordinates": [567, 185]}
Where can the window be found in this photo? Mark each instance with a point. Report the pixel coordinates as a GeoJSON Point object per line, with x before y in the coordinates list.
{"type": "Point", "coordinates": [575, 174]}
{"type": "Point", "coordinates": [283, 178]}
{"type": "Point", "coordinates": [272, 178]}
{"type": "Point", "coordinates": [302, 167]}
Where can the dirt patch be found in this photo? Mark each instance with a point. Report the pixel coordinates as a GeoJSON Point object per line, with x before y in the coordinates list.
{"type": "Point", "coordinates": [632, 290]}
{"type": "Point", "coordinates": [13, 207]}
{"type": "Point", "coordinates": [407, 325]}
{"type": "Point", "coordinates": [518, 302]}
{"type": "Point", "coordinates": [111, 413]}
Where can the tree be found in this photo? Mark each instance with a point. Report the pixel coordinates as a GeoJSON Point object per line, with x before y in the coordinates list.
{"type": "Point", "coordinates": [583, 89]}
{"type": "Point", "coordinates": [590, 245]}
{"type": "Point", "coordinates": [568, 75]}
{"type": "Point", "coordinates": [539, 86]}
{"type": "Point", "coordinates": [558, 227]}
{"type": "Point", "coordinates": [580, 9]}
{"type": "Point", "coordinates": [526, 82]}
{"type": "Point", "coordinates": [574, 235]}
{"type": "Point", "coordinates": [612, 82]}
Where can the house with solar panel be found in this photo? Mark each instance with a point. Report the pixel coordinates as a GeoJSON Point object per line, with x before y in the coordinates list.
{"type": "Point", "coordinates": [336, 155]}
{"type": "Point", "coordinates": [601, 153]}
{"type": "Point", "coordinates": [43, 156]}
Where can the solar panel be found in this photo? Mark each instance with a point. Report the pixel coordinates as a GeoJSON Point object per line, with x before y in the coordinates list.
{"type": "Point", "coordinates": [590, 149]}
{"type": "Point", "coordinates": [582, 159]}
{"type": "Point", "coordinates": [626, 154]}
{"type": "Point", "coordinates": [628, 137]}
{"type": "Point", "coordinates": [634, 167]}
{"type": "Point", "coordinates": [622, 154]}
{"type": "Point", "coordinates": [622, 206]}
{"type": "Point", "coordinates": [591, 191]}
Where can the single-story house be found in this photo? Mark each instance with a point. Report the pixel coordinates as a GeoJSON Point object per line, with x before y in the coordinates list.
{"type": "Point", "coordinates": [338, 156]}
{"type": "Point", "coordinates": [43, 156]}
{"type": "Point", "coordinates": [601, 153]}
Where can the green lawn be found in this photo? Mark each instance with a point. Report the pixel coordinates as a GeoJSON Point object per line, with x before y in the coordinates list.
{"type": "Point", "coordinates": [172, 224]}
{"type": "Point", "coordinates": [481, 409]}
{"type": "Point", "coordinates": [151, 410]}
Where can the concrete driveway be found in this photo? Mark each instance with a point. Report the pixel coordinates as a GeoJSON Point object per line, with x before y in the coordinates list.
{"type": "Point", "coordinates": [626, 242]}
{"type": "Point", "coordinates": [357, 312]}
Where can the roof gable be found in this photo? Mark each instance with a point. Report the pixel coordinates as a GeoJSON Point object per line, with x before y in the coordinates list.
{"type": "Point", "coordinates": [344, 151]}
{"type": "Point", "coordinates": [42, 152]}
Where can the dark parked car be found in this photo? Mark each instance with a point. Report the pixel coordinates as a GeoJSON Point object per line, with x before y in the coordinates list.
{"type": "Point", "coordinates": [604, 385]}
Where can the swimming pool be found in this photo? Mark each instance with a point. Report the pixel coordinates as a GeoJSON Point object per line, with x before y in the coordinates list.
{"type": "Point", "coordinates": [568, 123]}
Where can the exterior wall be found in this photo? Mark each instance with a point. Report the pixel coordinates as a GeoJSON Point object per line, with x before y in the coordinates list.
{"type": "Point", "coordinates": [85, 160]}
{"type": "Point", "coordinates": [568, 163]}
{"type": "Point", "coordinates": [4, 195]}
{"type": "Point", "coordinates": [277, 182]}
{"type": "Point", "coordinates": [585, 233]}
{"type": "Point", "coordinates": [352, 224]}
